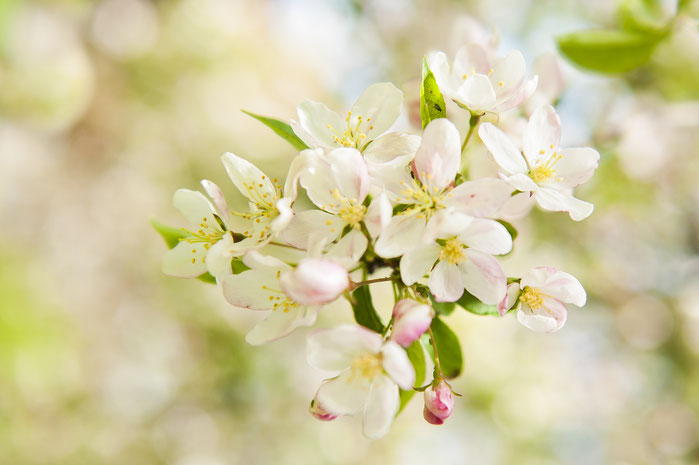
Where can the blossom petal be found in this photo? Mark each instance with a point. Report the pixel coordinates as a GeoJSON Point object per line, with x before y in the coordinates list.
{"type": "Point", "coordinates": [392, 148]}
{"type": "Point", "coordinates": [576, 166]}
{"type": "Point", "coordinates": [418, 262]}
{"type": "Point", "coordinates": [186, 260]}
{"type": "Point", "coordinates": [517, 97]}
{"type": "Point", "coordinates": [286, 214]}
{"type": "Point", "coordinates": [320, 123]}
{"type": "Point", "coordinates": [542, 134]}
{"type": "Point", "coordinates": [219, 200]}
{"type": "Point", "coordinates": [481, 198]}
{"type": "Point", "coordinates": [510, 71]}
{"type": "Point", "coordinates": [316, 223]}
{"type": "Point", "coordinates": [445, 282]}
{"type": "Point", "coordinates": [345, 394]}
{"type": "Point", "coordinates": [280, 323]}
{"type": "Point", "coordinates": [444, 224]}
{"type": "Point", "coordinates": [348, 250]}
{"type": "Point", "coordinates": [483, 277]}
{"type": "Point", "coordinates": [559, 284]}
{"type": "Point", "coordinates": [557, 201]}
{"type": "Point", "coordinates": [314, 281]}
{"type": "Point", "coordinates": [521, 182]}
{"type": "Point", "coordinates": [219, 256]}
{"type": "Point", "coordinates": [477, 93]}
{"type": "Point", "coordinates": [517, 207]}
{"type": "Point", "coordinates": [194, 207]}
{"type": "Point", "coordinates": [471, 58]}
{"type": "Point", "coordinates": [299, 165]}
{"type": "Point", "coordinates": [488, 236]}
{"type": "Point", "coordinates": [350, 173]}
{"type": "Point", "coordinates": [378, 215]}
{"type": "Point", "coordinates": [438, 158]}
{"type": "Point", "coordinates": [503, 150]}
{"type": "Point", "coordinates": [402, 234]}
{"type": "Point", "coordinates": [251, 289]}
{"type": "Point", "coordinates": [379, 107]}
{"type": "Point", "coordinates": [334, 349]}
{"type": "Point", "coordinates": [397, 365]}
{"type": "Point", "coordinates": [510, 298]}
{"type": "Point", "coordinates": [250, 181]}
{"type": "Point", "coordinates": [546, 319]}
{"type": "Point", "coordinates": [381, 407]}
{"type": "Point", "coordinates": [439, 65]}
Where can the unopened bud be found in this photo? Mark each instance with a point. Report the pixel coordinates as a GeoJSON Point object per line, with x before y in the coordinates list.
{"type": "Point", "coordinates": [319, 412]}
{"type": "Point", "coordinates": [410, 321]}
{"type": "Point", "coordinates": [439, 403]}
{"type": "Point", "coordinates": [315, 281]}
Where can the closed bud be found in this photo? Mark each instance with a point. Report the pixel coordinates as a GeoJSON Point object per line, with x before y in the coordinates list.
{"type": "Point", "coordinates": [319, 412]}
{"type": "Point", "coordinates": [315, 281]}
{"type": "Point", "coordinates": [410, 321]}
{"type": "Point", "coordinates": [439, 403]}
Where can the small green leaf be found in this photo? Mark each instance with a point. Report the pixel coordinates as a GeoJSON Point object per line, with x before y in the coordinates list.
{"type": "Point", "coordinates": [237, 266]}
{"type": "Point", "coordinates": [608, 50]}
{"type": "Point", "coordinates": [416, 354]}
{"type": "Point", "coordinates": [645, 16]}
{"type": "Point", "coordinates": [282, 129]}
{"type": "Point", "coordinates": [171, 235]}
{"type": "Point", "coordinates": [471, 303]}
{"type": "Point", "coordinates": [448, 347]}
{"type": "Point", "coordinates": [432, 104]}
{"type": "Point", "coordinates": [442, 308]}
{"type": "Point", "coordinates": [510, 229]}
{"type": "Point", "coordinates": [207, 278]}
{"type": "Point", "coordinates": [364, 311]}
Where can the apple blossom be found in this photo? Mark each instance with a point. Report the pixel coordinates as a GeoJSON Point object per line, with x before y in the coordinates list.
{"type": "Point", "coordinates": [314, 281]}
{"type": "Point", "coordinates": [410, 321]}
{"type": "Point", "coordinates": [439, 402]}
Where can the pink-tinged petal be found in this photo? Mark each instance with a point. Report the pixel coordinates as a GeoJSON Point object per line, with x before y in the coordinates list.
{"type": "Point", "coordinates": [219, 200]}
{"type": "Point", "coordinates": [546, 319]}
{"type": "Point", "coordinates": [471, 58]}
{"type": "Point", "coordinates": [348, 250]}
{"type": "Point", "coordinates": [439, 400]}
{"type": "Point", "coordinates": [250, 289]}
{"type": "Point", "coordinates": [320, 123]}
{"type": "Point", "coordinates": [508, 73]}
{"type": "Point", "coordinates": [576, 166]}
{"type": "Point", "coordinates": [444, 224]}
{"type": "Point", "coordinates": [542, 134]}
{"type": "Point", "coordinates": [314, 281]}
{"type": "Point", "coordinates": [318, 180]}
{"type": "Point", "coordinates": [397, 365]}
{"type": "Point", "coordinates": [402, 234]}
{"type": "Point", "coordinates": [410, 321]}
{"type": "Point", "coordinates": [445, 282]}
{"type": "Point", "coordinates": [503, 150]}
{"type": "Point", "coordinates": [483, 277]}
{"type": "Point", "coordinates": [185, 260]}
{"type": "Point", "coordinates": [517, 97]}
{"type": "Point", "coordinates": [439, 156]}
{"type": "Point", "coordinates": [379, 107]}
{"type": "Point", "coordinates": [488, 236]}
{"type": "Point", "coordinates": [521, 182]}
{"type": "Point", "coordinates": [350, 173]}
{"type": "Point", "coordinates": [263, 263]}
{"type": "Point", "coordinates": [417, 262]}
{"type": "Point", "coordinates": [319, 411]}
{"type": "Point", "coordinates": [378, 215]}
{"type": "Point", "coordinates": [280, 323]}
{"type": "Point", "coordinates": [312, 222]}
{"type": "Point", "coordinates": [334, 349]}
{"type": "Point", "coordinates": [481, 198]}
{"type": "Point", "coordinates": [557, 201]}
{"type": "Point", "coordinates": [559, 284]}
{"type": "Point", "coordinates": [477, 93]}
{"type": "Point", "coordinates": [517, 207]}
{"type": "Point", "coordinates": [392, 148]}
{"type": "Point", "coordinates": [345, 394]}
{"type": "Point", "coordinates": [431, 418]}
{"type": "Point", "coordinates": [250, 181]}
{"type": "Point", "coordinates": [381, 407]}
{"type": "Point", "coordinates": [510, 298]}
{"type": "Point", "coordinates": [194, 207]}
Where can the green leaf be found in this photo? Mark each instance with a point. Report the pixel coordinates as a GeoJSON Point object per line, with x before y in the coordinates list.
{"type": "Point", "coordinates": [207, 278]}
{"type": "Point", "coordinates": [448, 347]}
{"type": "Point", "coordinates": [442, 308]}
{"type": "Point", "coordinates": [416, 354]}
{"type": "Point", "coordinates": [171, 235]}
{"type": "Point", "coordinates": [510, 229]}
{"type": "Point", "coordinates": [364, 311]}
{"type": "Point", "coordinates": [608, 50]}
{"type": "Point", "coordinates": [282, 129]}
{"type": "Point", "coordinates": [644, 16]}
{"type": "Point", "coordinates": [432, 104]}
{"type": "Point", "coordinates": [471, 303]}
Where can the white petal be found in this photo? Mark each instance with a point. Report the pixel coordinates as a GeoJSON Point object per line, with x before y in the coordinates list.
{"type": "Point", "coordinates": [510, 71]}
{"type": "Point", "coordinates": [503, 150]}
{"type": "Point", "coordinates": [444, 224]}
{"type": "Point", "coordinates": [517, 97]}
{"type": "Point", "coordinates": [559, 284]}
{"type": "Point", "coordinates": [510, 298]}
{"type": "Point", "coordinates": [312, 222]}
{"type": "Point", "coordinates": [349, 249]}
{"type": "Point", "coordinates": [392, 148]}
{"type": "Point", "coordinates": [402, 234]}
{"type": "Point", "coordinates": [350, 173]}
{"type": "Point", "coordinates": [542, 134]}
{"type": "Point", "coordinates": [471, 58]}
{"type": "Point", "coordinates": [521, 182]}
{"type": "Point", "coordinates": [483, 277]}
{"type": "Point", "coordinates": [482, 197]}
{"type": "Point", "coordinates": [334, 349]}
{"type": "Point", "coordinates": [445, 282]}
{"type": "Point", "coordinates": [379, 106]}
{"type": "Point", "coordinates": [576, 166]}
{"type": "Point", "coordinates": [219, 200]}
{"type": "Point", "coordinates": [397, 365]}
{"type": "Point", "coordinates": [250, 181]}
{"type": "Point", "coordinates": [517, 207]}
{"type": "Point", "coordinates": [219, 256]}
{"type": "Point", "coordinates": [557, 201]}
{"type": "Point", "coordinates": [551, 80]}
{"type": "Point", "coordinates": [185, 260]}
{"type": "Point", "coordinates": [321, 123]}
{"type": "Point", "coordinates": [381, 408]}
{"type": "Point", "coordinates": [439, 156]}
{"type": "Point", "coordinates": [439, 65]}
{"type": "Point", "coordinates": [194, 207]}
{"type": "Point", "coordinates": [263, 263]}
{"type": "Point", "coordinates": [251, 289]}
{"type": "Point", "coordinates": [280, 323]}
{"type": "Point", "coordinates": [477, 93]}
{"type": "Point", "coordinates": [488, 236]}
{"type": "Point", "coordinates": [299, 165]}
{"type": "Point", "coordinates": [378, 215]}
{"type": "Point", "coordinates": [286, 215]}
{"type": "Point", "coordinates": [547, 319]}
{"type": "Point", "coordinates": [418, 262]}
{"type": "Point", "coordinates": [345, 394]}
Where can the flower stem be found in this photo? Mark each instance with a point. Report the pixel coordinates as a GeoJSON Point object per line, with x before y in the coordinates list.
{"type": "Point", "coordinates": [437, 366]}
{"type": "Point", "coordinates": [370, 281]}
{"type": "Point", "coordinates": [472, 123]}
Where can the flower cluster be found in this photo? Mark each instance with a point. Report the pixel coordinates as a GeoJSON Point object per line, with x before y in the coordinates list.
{"type": "Point", "coordinates": [398, 206]}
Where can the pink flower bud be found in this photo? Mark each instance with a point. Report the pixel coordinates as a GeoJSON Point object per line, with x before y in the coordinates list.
{"type": "Point", "coordinates": [410, 320]}
{"type": "Point", "coordinates": [319, 412]}
{"type": "Point", "coordinates": [439, 402]}
{"type": "Point", "coordinates": [315, 281]}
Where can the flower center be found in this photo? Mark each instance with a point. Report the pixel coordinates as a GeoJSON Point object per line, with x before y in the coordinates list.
{"type": "Point", "coordinates": [353, 136]}
{"type": "Point", "coordinates": [532, 297]}
{"type": "Point", "coordinates": [263, 207]}
{"type": "Point", "coordinates": [349, 210]}
{"type": "Point", "coordinates": [452, 251]}
{"type": "Point", "coordinates": [544, 171]}
{"type": "Point", "coordinates": [367, 366]}
{"type": "Point", "coordinates": [278, 299]}
{"type": "Point", "coordinates": [423, 201]}
{"type": "Point", "coordinates": [208, 233]}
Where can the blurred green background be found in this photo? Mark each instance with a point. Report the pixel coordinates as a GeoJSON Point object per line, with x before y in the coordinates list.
{"type": "Point", "coordinates": [107, 107]}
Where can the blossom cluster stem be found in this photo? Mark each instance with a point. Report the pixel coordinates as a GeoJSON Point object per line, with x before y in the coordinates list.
{"type": "Point", "coordinates": [472, 124]}
{"type": "Point", "coordinates": [437, 366]}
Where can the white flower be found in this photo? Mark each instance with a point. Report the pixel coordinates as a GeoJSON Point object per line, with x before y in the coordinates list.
{"type": "Point", "coordinates": [544, 169]}
{"type": "Point", "coordinates": [259, 288]}
{"type": "Point", "coordinates": [463, 255]}
{"type": "Point", "coordinates": [543, 291]}
{"type": "Point", "coordinates": [199, 252]}
{"type": "Point", "coordinates": [436, 164]}
{"type": "Point", "coordinates": [480, 83]}
{"type": "Point", "coordinates": [371, 372]}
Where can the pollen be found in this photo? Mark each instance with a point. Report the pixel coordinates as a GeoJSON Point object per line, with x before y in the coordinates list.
{"type": "Point", "coordinates": [452, 251]}
{"type": "Point", "coordinates": [367, 367]}
{"type": "Point", "coordinates": [532, 297]}
{"type": "Point", "coordinates": [545, 170]}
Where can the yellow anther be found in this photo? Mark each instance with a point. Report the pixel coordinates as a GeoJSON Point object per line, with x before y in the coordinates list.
{"type": "Point", "coordinates": [532, 297]}
{"type": "Point", "coordinates": [452, 251]}
{"type": "Point", "coordinates": [367, 367]}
